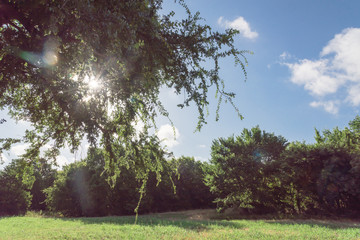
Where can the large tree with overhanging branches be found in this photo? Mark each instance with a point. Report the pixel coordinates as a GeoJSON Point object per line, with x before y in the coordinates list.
{"type": "Point", "coordinates": [92, 69]}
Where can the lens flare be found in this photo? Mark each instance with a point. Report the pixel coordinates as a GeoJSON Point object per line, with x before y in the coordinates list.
{"type": "Point", "coordinates": [92, 82]}
{"type": "Point", "coordinates": [32, 58]}
{"type": "Point", "coordinates": [50, 51]}
{"type": "Point", "coordinates": [50, 58]}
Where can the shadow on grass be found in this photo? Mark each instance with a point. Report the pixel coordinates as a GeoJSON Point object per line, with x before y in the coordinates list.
{"type": "Point", "coordinates": [152, 221]}
{"type": "Point", "coordinates": [332, 224]}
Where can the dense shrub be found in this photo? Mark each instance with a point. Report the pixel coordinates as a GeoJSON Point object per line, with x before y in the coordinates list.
{"type": "Point", "coordinates": [259, 172]}
{"type": "Point", "coordinates": [190, 189]}
{"type": "Point", "coordinates": [82, 189]}
{"type": "Point", "coordinates": [44, 176]}
{"type": "Point", "coordinates": [242, 170]}
{"type": "Point", "coordinates": [16, 181]}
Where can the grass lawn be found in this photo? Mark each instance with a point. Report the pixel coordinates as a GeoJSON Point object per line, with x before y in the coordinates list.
{"type": "Point", "coordinates": [181, 225]}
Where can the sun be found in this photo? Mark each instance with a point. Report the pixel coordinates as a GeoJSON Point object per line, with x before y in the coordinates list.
{"type": "Point", "coordinates": [92, 82]}
{"type": "Point", "coordinates": [90, 85]}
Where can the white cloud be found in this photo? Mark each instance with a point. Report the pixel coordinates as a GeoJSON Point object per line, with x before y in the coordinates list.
{"type": "Point", "coordinates": [285, 55]}
{"type": "Point", "coordinates": [239, 24]}
{"type": "Point", "coordinates": [329, 106]}
{"type": "Point", "coordinates": [3, 161]}
{"type": "Point", "coordinates": [139, 125]}
{"type": "Point", "coordinates": [62, 161]}
{"type": "Point", "coordinates": [3, 157]}
{"type": "Point", "coordinates": [346, 49]}
{"type": "Point", "coordinates": [354, 95]}
{"type": "Point", "coordinates": [201, 159]}
{"type": "Point", "coordinates": [19, 149]}
{"type": "Point", "coordinates": [166, 135]}
{"type": "Point", "coordinates": [202, 146]}
{"type": "Point", "coordinates": [81, 152]}
{"type": "Point", "coordinates": [315, 77]}
{"type": "Point", "coordinates": [337, 67]}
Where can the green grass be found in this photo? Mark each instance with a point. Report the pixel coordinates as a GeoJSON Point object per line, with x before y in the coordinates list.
{"type": "Point", "coordinates": [172, 226]}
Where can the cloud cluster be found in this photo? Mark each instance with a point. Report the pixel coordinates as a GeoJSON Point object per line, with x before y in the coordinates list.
{"type": "Point", "coordinates": [338, 67]}
{"type": "Point", "coordinates": [201, 159]}
{"type": "Point", "coordinates": [20, 149]}
{"type": "Point", "coordinates": [329, 106]}
{"type": "Point", "coordinates": [166, 135]}
{"type": "Point", "coordinates": [239, 24]}
{"type": "Point", "coordinates": [3, 161]}
{"type": "Point", "coordinates": [285, 55]}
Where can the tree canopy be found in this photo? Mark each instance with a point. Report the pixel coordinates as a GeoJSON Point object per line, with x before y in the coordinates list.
{"type": "Point", "coordinates": [241, 171]}
{"type": "Point", "coordinates": [92, 69]}
{"type": "Point", "coordinates": [259, 172]}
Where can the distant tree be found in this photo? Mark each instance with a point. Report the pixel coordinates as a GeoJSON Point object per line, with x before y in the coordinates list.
{"type": "Point", "coordinates": [44, 176]}
{"type": "Point", "coordinates": [340, 177]}
{"type": "Point", "coordinates": [301, 167]}
{"type": "Point", "coordinates": [122, 198]}
{"type": "Point", "coordinates": [83, 189]}
{"type": "Point", "coordinates": [16, 181]}
{"type": "Point", "coordinates": [70, 193]}
{"type": "Point", "coordinates": [190, 189]}
{"type": "Point", "coordinates": [241, 172]}
{"type": "Point", "coordinates": [324, 177]}
{"type": "Point", "coordinates": [77, 69]}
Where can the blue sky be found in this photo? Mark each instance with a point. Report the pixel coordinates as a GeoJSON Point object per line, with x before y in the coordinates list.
{"type": "Point", "coordinates": [304, 73]}
{"type": "Point", "coordinates": [300, 77]}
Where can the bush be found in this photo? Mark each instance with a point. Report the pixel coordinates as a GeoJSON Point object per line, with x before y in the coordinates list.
{"type": "Point", "coordinates": [16, 181]}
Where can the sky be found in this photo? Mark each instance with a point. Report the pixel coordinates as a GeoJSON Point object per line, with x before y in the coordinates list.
{"type": "Point", "coordinates": [304, 73]}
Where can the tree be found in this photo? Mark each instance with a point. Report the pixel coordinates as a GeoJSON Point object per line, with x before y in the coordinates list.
{"type": "Point", "coordinates": [22, 184]}
{"type": "Point", "coordinates": [340, 179]}
{"type": "Point", "coordinates": [16, 181]}
{"type": "Point", "coordinates": [91, 69]}
{"type": "Point", "coordinates": [44, 176]}
{"type": "Point", "coordinates": [324, 177]}
{"type": "Point", "coordinates": [190, 189]}
{"type": "Point", "coordinates": [69, 194]}
{"type": "Point", "coordinates": [301, 166]}
{"type": "Point", "coordinates": [241, 174]}
{"type": "Point", "coordinates": [82, 189]}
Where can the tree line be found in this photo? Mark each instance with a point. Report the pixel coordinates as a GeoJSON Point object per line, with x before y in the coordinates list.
{"type": "Point", "coordinates": [83, 189]}
{"type": "Point", "coordinates": [255, 172]}
{"type": "Point", "coordinates": [260, 172]}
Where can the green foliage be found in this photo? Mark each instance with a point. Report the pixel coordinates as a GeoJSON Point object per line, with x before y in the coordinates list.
{"type": "Point", "coordinates": [340, 176]}
{"type": "Point", "coordinates": [259, 171]}
{"type": "Point", "coordinates": [44, 176]}
{"type": "Point", "coordinates": [241, 172]}
{"type": "Point", "coordinates": [301, 165]}
{"type": "Point", "coordinates": [53, 54]}
{"type": "Point", "coordinates": [190, 190]}
{"type": "Point", "coordinates": [16, 181]}
{"type": "Point", "coordinates": [81, 189]}
{"type": "Point", "coordinates": [322, 178]}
